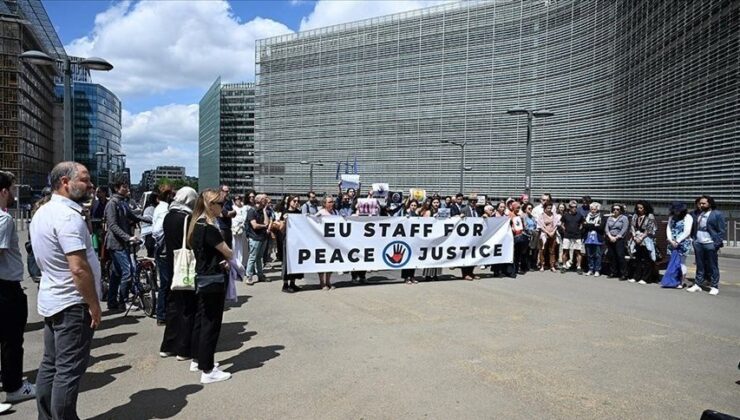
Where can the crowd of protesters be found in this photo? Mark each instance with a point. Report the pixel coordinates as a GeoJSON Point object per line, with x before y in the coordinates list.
{"type": "Point", "coordinates": [228, 233]}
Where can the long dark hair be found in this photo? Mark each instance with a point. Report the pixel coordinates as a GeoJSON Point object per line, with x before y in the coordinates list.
{"type": "Point", "coordinates": [678, 210]}
{"type": "Point", "coordinates": [645, 205]}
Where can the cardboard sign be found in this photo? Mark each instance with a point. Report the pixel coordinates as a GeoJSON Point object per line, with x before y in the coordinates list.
{"type": "Point", "coordinates": [418, 194]}
{"type": "Point", "coordinates": [368, 207]}
{"type": "Point", "coordinates": [350, 181]}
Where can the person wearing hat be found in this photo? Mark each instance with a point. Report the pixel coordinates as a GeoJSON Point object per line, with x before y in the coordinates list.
{"type": "Point", "coordinates": [678, 234]}
{"type": "Point", "coordinates": [710, 230]}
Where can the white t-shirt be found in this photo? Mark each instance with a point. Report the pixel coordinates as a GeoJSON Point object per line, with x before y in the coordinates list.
{"type": "Point", "coordinates": [11, 262]}
{"type": "Point", "coordinates": [58, 229]}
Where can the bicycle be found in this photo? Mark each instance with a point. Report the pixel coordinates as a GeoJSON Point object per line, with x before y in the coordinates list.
{"type": "Point", "coordinates": [143, 293]}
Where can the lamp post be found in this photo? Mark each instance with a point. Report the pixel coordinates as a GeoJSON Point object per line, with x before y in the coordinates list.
{"type": "Point", "coordinates": [531, 115]}
{"type": "Point", "coordinates": [463, 168]}
{"type": "Point", "coordinates": [92, 63]}
{"type": "Point", "coordinates": [310, 171]}
{"type": "Point", "coordinates": [109, 162]}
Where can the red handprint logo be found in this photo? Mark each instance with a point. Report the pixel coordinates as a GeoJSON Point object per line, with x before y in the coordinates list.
{"type": "Point", "coordinates": [398, 253]}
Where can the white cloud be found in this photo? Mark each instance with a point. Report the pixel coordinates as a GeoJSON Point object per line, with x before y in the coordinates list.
{"type": "Point", "coordinates": [165, 135]}
{"type": "Point", "coordinates": [158, 46]}
{"type": "Point", "coordinates": [331, 12]}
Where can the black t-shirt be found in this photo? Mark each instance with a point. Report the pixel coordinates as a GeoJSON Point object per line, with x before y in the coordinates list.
{"type": "Point", "coordinates": [259, 217]}
{"type": "Point", "coordinates": [207, 258]}
{"type": "Point", "coordinates": [172, 228]}
{"type": "Point", "coordinates": [284, 215]}
{"type": "Point", "coordinates": [572, 225]}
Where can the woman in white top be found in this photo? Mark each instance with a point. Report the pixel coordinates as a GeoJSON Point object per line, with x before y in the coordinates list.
{"type": "Point", "coordinates": [238, 229]}
{"type": "Point", "coordinates": [678, 233]}
{"type": "Point", "coordinates": [327, 210]}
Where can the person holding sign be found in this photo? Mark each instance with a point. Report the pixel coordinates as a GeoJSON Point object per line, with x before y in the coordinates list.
{"type": "Point", "coordinates": [292, 207]}
{"type": "Point", "coordinates": [327, 210]}
{"type": "Point", "coordinates": [408, 273]}
{"type": "Point", "coordinates": [469, 210]}
{"type": "Point", "coordinates": [430, 210]}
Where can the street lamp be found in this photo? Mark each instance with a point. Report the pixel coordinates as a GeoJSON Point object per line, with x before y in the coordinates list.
{"type": "Point", "coordinates": [92, 63]}
{"type": "Point", "coordinates": [109, 162]}
{"type": "Point", "coordinates": [463, 168]}
{"type": "Point", "coordinates": [531, 114]}
{"type": "Point", "coordinates": [310, 171]}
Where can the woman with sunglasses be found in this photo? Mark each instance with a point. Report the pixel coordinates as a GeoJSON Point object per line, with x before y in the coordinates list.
{"type": "Point", "coordinates": [293, 207]}
{"type": "Point", "coordinates": [410, 211]}
{"type": "Point", "coordinates": [327, 210]}
{"type": "Point", "coordinates": [642, 247]}
{"type": "Point", "coordinates": [430, 209]}
{"type": "Point", "coordinates": [617, 227]}
{"type": "Point", "coordinates": [212, 257]}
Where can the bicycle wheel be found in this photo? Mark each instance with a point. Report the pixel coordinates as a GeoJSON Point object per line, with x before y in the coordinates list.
{"type": "Point", "coordinates": [147, 303]}
{"type": "Point", "coordinates": [150, 290]}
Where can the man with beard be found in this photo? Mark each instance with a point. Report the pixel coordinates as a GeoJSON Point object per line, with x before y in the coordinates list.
{"type": "Point", "coordinates": [69, 291]}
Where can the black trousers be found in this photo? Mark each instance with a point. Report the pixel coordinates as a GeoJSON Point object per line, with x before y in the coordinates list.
{"type": "Point", "coordinates": [67, 339]}
{"type": "Point", "coordinates": [358, 275]}
{"type": "Point", "coordinates": [208, 319]}
{"type": "Point", "coordinates": [13, 317]}
{"type": "Point", "coordinates": [616, 257]}
{"type": "Point", "coordinates": [642, 265]}
{"type": "Point", "coordinates": [182, 306]}
{"type": "Point", "coordinates": [467, 271]}
{"type": "Point", "coordinates": [407, 273]}
{"type": "Point", "coordinates": [521, 253]}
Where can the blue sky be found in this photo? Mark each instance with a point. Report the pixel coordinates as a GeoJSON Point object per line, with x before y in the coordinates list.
{"type": "Point", "coordinates": [167, 53]}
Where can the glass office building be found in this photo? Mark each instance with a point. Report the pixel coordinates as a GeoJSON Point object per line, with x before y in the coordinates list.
{"type": "Point", "coordinates": [226, 136]}
{"type": "Point", "coordinates": [96, 120]}
{"type": "Point", "coordinates": [645, 96]}
{"type": "Point", "coordinates": [27, 92]}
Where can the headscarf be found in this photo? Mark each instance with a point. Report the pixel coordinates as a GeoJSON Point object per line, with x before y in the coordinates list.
{"type": "Point", "coordinates": [184, 200]}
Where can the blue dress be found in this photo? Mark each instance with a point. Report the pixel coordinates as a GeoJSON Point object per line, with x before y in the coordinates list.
{"type": "Point", "coordinates": [677, 228]}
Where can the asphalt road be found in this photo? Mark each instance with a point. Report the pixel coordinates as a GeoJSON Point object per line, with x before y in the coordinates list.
{"type": "Point", "coordinates": [540, 346]}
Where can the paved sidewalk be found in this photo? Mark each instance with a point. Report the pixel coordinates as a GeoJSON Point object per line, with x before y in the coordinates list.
{"type": "Point", "coordinates": [543, 345]}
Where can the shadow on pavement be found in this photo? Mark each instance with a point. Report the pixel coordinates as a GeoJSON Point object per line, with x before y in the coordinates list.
{"type": "Point", "coordinates": [103, 358]}
{"type": "Point", "coordinates": [111, 339]}
{"type": "Point", "coordinates": [233, 336]}
{"type": "Point", "coordinates": [159, 403]}
{"type": "Point", "coordinates": [34, 326]}
{"type": "Point", "coordinates": [252, 358]}
{"type": "Point", "coordinates": [240, 300]}
{"type": "Point", "coordinates": [95, 380]}
{"type": "Point", "coordinates": [109, 323]}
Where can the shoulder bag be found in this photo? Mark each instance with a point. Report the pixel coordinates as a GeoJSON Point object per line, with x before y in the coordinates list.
{"type": "Point", "coordinates": [183, 273]}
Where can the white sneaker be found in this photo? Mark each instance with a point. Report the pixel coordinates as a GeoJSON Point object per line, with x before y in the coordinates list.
{"type": "Point", "coordinates": [164, 354]}
{"type": "Point", "coordinates": [694, 288]}
{"type": "Point", "coordinates": [714, 291]}
{"type": "Point", "coordinates": [632, 280]}
{"type": "Point", "coordinates": [597, 274]}
{"type": "Point", "coordinates": [589, 273]}
{"type": "Point", "coordinates": [642, 282]}
{"type": "Point", "coordinates": [194, 366]}
{"type": "Point", "coordinates": [27, 391]}
{"type": "Point", "coordinates": [214, 375]}
{"type": "Point", "coordinates": [5, 407]}
{"type": "Point", "coordinates": [182, 358]}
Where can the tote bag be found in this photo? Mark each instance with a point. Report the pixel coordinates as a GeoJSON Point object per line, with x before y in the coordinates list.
{"type": "Point", "coordinates": [183, 273]}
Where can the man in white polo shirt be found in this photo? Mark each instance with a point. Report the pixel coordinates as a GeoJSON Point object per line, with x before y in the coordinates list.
{"type": "Point", "coordinates": [13, 302]}
{"type": "Point", "coordinates": [69, 292]}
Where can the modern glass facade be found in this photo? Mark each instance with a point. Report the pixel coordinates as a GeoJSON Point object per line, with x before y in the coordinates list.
{"type": "Point", "coordinates": [226, 136]}
{"type": "Point", "coordinates": [96, 119]}
{"type": "Point", "coordinates": [646, 97]}
{"type": "Point", "coordinates": [27, 92]}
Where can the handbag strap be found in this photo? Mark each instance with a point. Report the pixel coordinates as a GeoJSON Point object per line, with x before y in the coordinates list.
{"type": "Point", "coordinates": [184, 231]}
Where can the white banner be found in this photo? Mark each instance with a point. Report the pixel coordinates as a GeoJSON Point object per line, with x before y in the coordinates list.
{"type": "Point", "coordinates": [317, 244]}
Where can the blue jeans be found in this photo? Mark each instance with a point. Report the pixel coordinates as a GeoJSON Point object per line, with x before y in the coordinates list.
{"type": "Point", "coordinates": [707, 265]}
{"type": "Point", "coordinates": [593, 253]}
{"type": "Point", "coordinates": [254, 263]}
{"type": "Point", "coordinates": [164, 272]}
{"type": "Point", "coordinates": [120, 278]}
